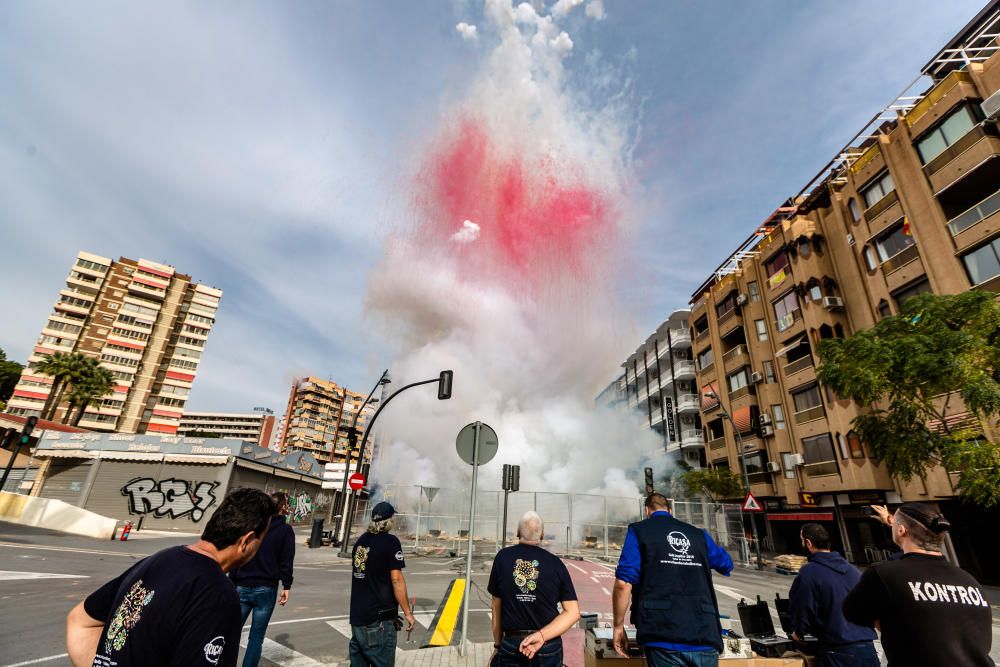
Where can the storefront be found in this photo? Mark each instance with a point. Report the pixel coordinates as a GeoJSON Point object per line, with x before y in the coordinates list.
{"type": "Point", "coordinates": [170, 482]}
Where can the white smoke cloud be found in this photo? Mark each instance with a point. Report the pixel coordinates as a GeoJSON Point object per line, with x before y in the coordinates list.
{"type": "Point", "coordinates": [595, 10]}
{"type": "Point", "coordinates": [467, 234]}
{"type": "Point", "coordinates": [531, 343]}
{"type": "Point", "coordinates": [467, 31]}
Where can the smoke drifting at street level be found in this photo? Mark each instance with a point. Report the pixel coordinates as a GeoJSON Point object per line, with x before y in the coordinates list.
{"type": "Point", "coordinates": [519, 217]}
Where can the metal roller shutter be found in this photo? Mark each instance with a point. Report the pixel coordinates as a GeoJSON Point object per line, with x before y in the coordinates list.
{"type": "Point", "coordinates": [65, 479]}
{"type": "Point", "coordinates": [244, 476]}
{"type": "Point", "coordinates": [17, 475]}
{"type": "Point", "coordinates": [106, 496]}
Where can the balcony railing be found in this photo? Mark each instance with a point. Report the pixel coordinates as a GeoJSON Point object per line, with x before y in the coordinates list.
{"type": "Point", "coordinates": [685, 367]}
{"type": "Point", "coordinates": [739, 393]}
{"type": "Point", "coordinates": [702, 335]}
{"type": "Point", "coordinates": [718, 443]}
{"type": "Point", "coordinates": [975, 215]}
{"type": "Point", "coordinates": [821, 468]}
{"type": "Point", "coordinates": [656, 417]}
{"type": "Point", "coordinates": [799, 365]}
{"type": "Point", "coordinates": [707, 367]}
{"type": "Point", "coordinates": [865, 158]}
{"type": "Point", "coordinates": [809, 415]}
{"type": "Point", "coordinates": [680, 336]}
{"type": "Point", "coordinates": [692, 436]}
{"type": "Point", "coordinates": [688, 402]}
{"type": "Point", "coordinates": [724, 317]}
{"type": "Point", "coordinates": [736, 353]}
{"type": "Point", "coordinates": [881, 206]}
{"type": "Point", "coordinates": [966, 142]}
{"type": "Point", "coordinates": [935, 95]}
{"type": "Point", "coordinates": [900, 259]}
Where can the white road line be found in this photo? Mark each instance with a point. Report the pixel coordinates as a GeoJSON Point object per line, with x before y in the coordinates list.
{"type": "Point", "coordinates": [305, 620]}
{"type": "Point", "coordinates": [13, 575]}
{"type": "Point", "coordinates": [729, 591]}
{"type": "Point", "coordinates": [594, 579]}
{"type": "Point", "coordinates": [343, 626]}
{"type": "Point", "coordinates": [38, 660]}
{"type": "Point", "coordinates": [577, 567]}
{"type": "Point", "coordinates": [282, 655]}
{"type": "Point", "coordinates": [74, 550]}
{"type": "Point", "coordinates": [606, 591]}
{"type": "Point", "coordinates": [425, 618]}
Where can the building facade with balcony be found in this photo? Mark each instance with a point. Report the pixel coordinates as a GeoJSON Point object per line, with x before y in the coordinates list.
{"type": "Point", "coordinates": [145, 322]}
{"type": "Point", "coordinates": [256, 427]}
{"type": "Point", "coordinates": [910, 205]}
{"type": "Point", "coordinates": [658, 381]}
{"type": "Point", "coordinates": [318, 420]}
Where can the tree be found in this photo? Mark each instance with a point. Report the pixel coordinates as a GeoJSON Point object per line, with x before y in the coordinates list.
{"type": "Point", "coordinates": [10, 373]}
{"type": "Point", "coordinates": [93, 383]}
{"type": "Point", "coordinates": [908, 370]}
{"type": "Point", "coordinates": [716, 483]}
{"type": "Point", "coordinates": [63, 368]}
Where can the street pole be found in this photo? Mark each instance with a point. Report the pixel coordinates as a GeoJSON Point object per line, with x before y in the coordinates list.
{"type": "Point", "coordinates": [472, 528]}
{"type": "Point", "coordinates": [503, 543]}
{"type": "Point", "coordinates": [746, 477]}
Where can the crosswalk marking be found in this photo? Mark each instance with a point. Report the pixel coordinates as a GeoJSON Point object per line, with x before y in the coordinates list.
{"type": "Point", "coordinates": [282, 655]}
{"type": "Point", "coordinates": [341, 625]}
{"type": "Point", "coordinates": [13, 575]}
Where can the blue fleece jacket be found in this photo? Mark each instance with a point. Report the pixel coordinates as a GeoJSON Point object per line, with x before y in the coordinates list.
{"type": "Point", "coordinates": [273, 560]}
{"type": "Point", "coordinates": [817, 597]}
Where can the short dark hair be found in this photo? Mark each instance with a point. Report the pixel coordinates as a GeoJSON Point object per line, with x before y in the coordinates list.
{"type": "Point", "coordinates": [925, 524]}
{"type": "Point", "coordinates": [280, 499]}
{"type": "Point", "coordinates": [657, 501]}
{"type": "Point", "coordinates": [817, 534]}
{"type": "Point", "coordinates": [241, 512]}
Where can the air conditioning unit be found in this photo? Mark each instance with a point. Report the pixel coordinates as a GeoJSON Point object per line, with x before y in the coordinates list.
{"type": "Point", "coordinates": [797, 460]}
{"type": "Point", "coordinates": [767, 431]}
{"type": "Point", "coordinates": [772, 466]}
{"type": "Point", "coordinates": [741, 299]}
{"type": "Point", "coordinates": [832, 302]}
{"type": "Point", "coordinates": [991, 107]}
{"type": "Point", "coordinates": [756, 377]}
{"type": "Point", "coordinates": [850, 239]}
{"type": "Point", "coordinates": [765, 419]}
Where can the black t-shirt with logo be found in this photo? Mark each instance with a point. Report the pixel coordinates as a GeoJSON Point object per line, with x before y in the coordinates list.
{"type": "Point", "coordinates": [930, 612]}
{"type": "Point", "coordinates": [530, 582]}
{"type": "Point", "coordinates": [374, 558]}
{"type": "Point", "coordinates": [173, 608]}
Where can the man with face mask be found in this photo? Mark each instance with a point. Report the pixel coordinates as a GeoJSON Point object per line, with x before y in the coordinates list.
{"type": "Point", "coordinates": [816, 599]}
{"type": "Point", "coordinates": [931, 613]}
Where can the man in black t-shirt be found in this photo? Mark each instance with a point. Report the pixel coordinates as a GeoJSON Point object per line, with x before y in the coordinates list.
{"type": "Point", "coordinates": [175, 608]}
{"type": "Point", "coordinates": [931, 613]}
{"type": "Point", "coordinates": [528, 584]}
{"type": "Point", "coordinates": [377, 587]}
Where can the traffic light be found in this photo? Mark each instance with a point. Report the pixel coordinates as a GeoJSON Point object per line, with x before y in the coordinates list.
{"type": "Point", "coordinates": [444, 385]}
{"type": "Point", "coordinates": [649, 481]}
{"type": "Point", "coordinates": [7, 438]}
{"type": "Point", "coordinates": [29, 426]}
{"type": "Point", "coordinates": [511, 480]}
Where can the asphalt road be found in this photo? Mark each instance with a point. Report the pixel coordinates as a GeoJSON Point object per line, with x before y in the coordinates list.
{"type": "Point", "coordinates": [43, 574]}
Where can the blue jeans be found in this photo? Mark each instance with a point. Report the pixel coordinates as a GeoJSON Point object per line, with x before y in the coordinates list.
{"type": "Point", "coordinates": [260, 600]}
{"type": "Point", "coordinates": [509, 654]}
{"type": "Point", "coordinates": [661, 657]}
{"type": "Point", "coordinates": [373, 645]}
{"type": "Point", "coordinates": [861, 654]}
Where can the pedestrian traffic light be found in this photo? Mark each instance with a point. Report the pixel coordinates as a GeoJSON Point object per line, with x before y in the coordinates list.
{"type": "Point", "coordinates": [444, 385]}
{"type": "Point", "coordinates": [649, 481]}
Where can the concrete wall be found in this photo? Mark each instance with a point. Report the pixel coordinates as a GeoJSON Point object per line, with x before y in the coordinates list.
{"type": "Point", "coordinates": [54, 515]}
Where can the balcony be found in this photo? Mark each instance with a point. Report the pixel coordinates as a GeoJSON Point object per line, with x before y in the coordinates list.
{"type": "Point", "coordinates": [688, 403]}
{"type": "Point", "coordinates": [936, 94]}
{"type": "Point", "coordinates": [820, 469]}
{"type": "Point", "coordinates": [964, 156]}
{"type": "Point", "coordinates": [798, 365]}
{"type": "Point", "coordinates": [684, 370]}
{"type": "Point", "coordinates": [739, 393]}
{"type": "Point", "coordinates": [881, 206]}
{"type": "Point", "coordinates": [812, 414]}
{"type": "Point", "coordinates": [656, 417]}
{"type": "Point", "coordinates": [692, 437]}
{"type": "Point", "coordinates": [975, 215]}
{"type": "Point", "coordinates": [717, 444]}
{"type": "Point", "coordinates": [680, 338]}
{"type": "Point", "coordinates": [788, 321]}
{"type": "Point", "coordinates": [702, 335]}
{"type": "Point", "coordinates": [776, 279]}
{"type": "Point", "coordinates": [900, 259]}
{"type": "Point", "coordinates": [737, 356]}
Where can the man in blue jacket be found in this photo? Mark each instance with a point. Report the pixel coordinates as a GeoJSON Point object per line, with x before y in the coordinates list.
{"type": "Point", "coordinates": [257, 581]}
{"type": "Point", "coordinates": [816, 600]}
{"type": "Point", "coordinates": [666, 568]}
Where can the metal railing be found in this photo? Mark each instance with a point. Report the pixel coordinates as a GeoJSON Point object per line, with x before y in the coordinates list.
{"type": "Point", "coordinates": [866, 157]}
{"type": "Point", "coordinates": [799, 365]}
{"type": "Point", "coordinates": [975, 215]}
{"type": "Point", "coordinates": [900, 259]}
{"type": "Point", "coordinates": [935, 95]}
{"type": "Point", "coordinates": [810, 414]}
{"type": "Point", "coordinates": [736, 352]}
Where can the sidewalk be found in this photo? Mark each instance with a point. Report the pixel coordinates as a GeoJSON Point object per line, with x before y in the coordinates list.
{"type": "Point", "coordinates": [446, 656]}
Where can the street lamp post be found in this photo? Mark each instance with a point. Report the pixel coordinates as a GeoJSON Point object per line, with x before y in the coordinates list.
{"type": "Point", "coordinates": [746, 475]}
{"type": "Point", "coordinates": [444, 381]}
{"type": "Point", "coordinates": [352, 440]}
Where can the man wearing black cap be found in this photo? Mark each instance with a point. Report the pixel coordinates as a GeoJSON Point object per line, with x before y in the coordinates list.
{"type": "Point", "coordinates": [377, 587]}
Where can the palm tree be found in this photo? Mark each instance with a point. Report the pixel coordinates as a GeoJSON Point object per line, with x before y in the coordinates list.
{"type": "Point", "coordinates": [93, 384]}
{"type": "Point", "coordinates": [63, 368]}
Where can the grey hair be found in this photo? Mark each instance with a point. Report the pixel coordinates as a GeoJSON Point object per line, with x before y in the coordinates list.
{"type": "Point", "coordinates": [530, 527]}
{"type": "Point", "coordinates": [383, 526]}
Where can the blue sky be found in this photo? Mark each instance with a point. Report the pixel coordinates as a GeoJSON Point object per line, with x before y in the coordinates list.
{"type": "Point", "coordinates": [260, 148]}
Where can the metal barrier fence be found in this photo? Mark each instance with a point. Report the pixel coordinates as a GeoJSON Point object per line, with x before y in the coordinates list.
{"type": "Point", "coordinates": [430, 519]}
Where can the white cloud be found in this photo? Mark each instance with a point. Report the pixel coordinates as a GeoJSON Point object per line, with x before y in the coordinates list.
{"type": "Point", "coordinates": [564, 7]}
{"type": "Point", "coordinates": [595, 10]}
{"type": "Point", "coordinates": [562, 44]}
{"type": "Point", "coordinates": [467, 234]}
{"type": "Point", "coordinates": [467, 31]}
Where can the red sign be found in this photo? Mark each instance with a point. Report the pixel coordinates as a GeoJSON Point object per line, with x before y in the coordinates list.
{"type": "Point", "coordinates": [751, 504]}
{"type": "Point", "coordinates": [356, 481]}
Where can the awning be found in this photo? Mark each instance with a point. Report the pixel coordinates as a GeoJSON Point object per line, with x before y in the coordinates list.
{"type": "Point", "coordinates": [131, 456]}
{"type": "Point", "coordinates": [196, 458]}
{"type": "Point", "coordinates": [788, 348]}
{"type": "Point", "coordinates": [65, 454]}
{"type": "Point", "coordinates": [285, 473]}
{"type": "Point", "coordinates": [803, 516]}
{"type": "Point", "coordinates": [250, 465]}
{"type": "Point", "coordinates": [743, 419]}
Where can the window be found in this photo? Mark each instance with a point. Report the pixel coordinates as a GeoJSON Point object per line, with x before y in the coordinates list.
{"type": "Point", "coordinates": [786, 463]}
{"type": "Point", "coordinates": [726, 305]}
{"type": "Point", "coordinates": [854, 445]}
{"type": "Point", "coordinates": [119, 361]}
{"type": "Point", "coordinates": [894, 242]}
{"type": "Point", "coordinates": [879, 188]}
{"type": "Point", "coordinates": [983, 263]}
{"type": "Point", "coordinates": [910, 291]}
{"type": "Point", "coordinates": [73, 301]}
{"type": "Point", "coordinates": [785, 309]}
{"type": "Point", "coordinates": [187, 340]}
{"type": "Point", "coordinates": [819, 449]}
{"type": "Point", "coordinates": [883, 309]}
{"type": "Point", "coordinates": [63, 326]}
{"type": "Point", "coordinates": [171, 402]}
{"type": "Point", "coordinates": [142, 310]}
{"type": "Point", "coordinates": [738, 380]}
{"type": "Point", "coordinates": [122, 375]}
{"type": "Point", "coordinates": [756, 467]}
{"type": "Point", "coordinates": [200, 318]}
{"type": "Point", "coordinates": [815, 293]}
{"type": "Point", "coordinates": [946, 133]}
{"type": "Point", "coordinates": [761, 329]}
{"type": "Point", "coordinates": [852, 207]}
{"type": "Point", "coordinates": [184, 352]}
{"type": "Point", "coordinates": [807, 399]}
{"type": "Point", "coordinates": [776, 265]}
{"type": "Point", "coordinates": [778, 417]}
{"type": "Point", "coordinates": [128, 333]}
{"type": "Point", "coordinates": [871, 261]}
{"type": "Point", "coordinates": [705, 359]}
{"type": "Point", "coordinates": [769, 372]}
{"type": "Point", "coordinates": [93, 266]}
{"type": "Point", "coordinates": [128, 319]}
{"type": "Point", "coordinates": [754, 289]}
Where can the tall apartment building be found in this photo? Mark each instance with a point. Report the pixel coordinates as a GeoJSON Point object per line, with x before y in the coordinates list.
{"type": "Point", "coordinates": [910, 205]}
{"type": "Point", "coordinates": [318, 419]}
{"type": "Point", "coordinates": [146, 323]}
{"type": "Point", "coordinates": [659, 381]}
{"type": "Point", "coordinates": [256, 427]}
